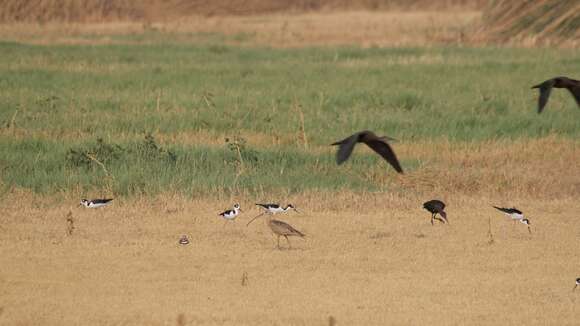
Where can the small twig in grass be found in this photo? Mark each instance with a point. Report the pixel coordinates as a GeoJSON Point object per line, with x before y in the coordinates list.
{"type": "Point", "coordinates": [158, 100]}
{"type": "Point", "coordinates": [302, 129]}
{"type": "Point", "coordinates": [207, 97]}
{"type": "Point", "coordinates": [70, 227]}
{"type": "Point", "coordinates": [11, 126]}
{"type": "Point", "coordinates": [331, 321]}
{"type": "Point", "coordinates": [181, 320]}
{"type": "Point", "coordinates": [94, 159]}
{"type": "Point", "coordinates": [110, 177]}
{"type": "Point", "coordinates": [245, 278]}
{"type": "Point", "coordinates": [489, 233]}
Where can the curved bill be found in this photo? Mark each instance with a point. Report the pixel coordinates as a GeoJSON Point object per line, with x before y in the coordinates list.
{"type": "Point", "coordinates": [252, 220]}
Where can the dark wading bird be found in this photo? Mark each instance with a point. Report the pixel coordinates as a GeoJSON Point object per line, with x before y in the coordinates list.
{"type": "Point", "coordinates": [282, 229]}
{"type": "Point", "coordinates": [377, 144]}
{"type": "Point", "coordinates": [572, 85]}
{"type": "Point", "coordinates": [436, 207]}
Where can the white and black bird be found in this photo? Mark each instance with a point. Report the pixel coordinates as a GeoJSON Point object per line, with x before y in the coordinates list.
{"type": "Point", "coordinates": [435, 207]}
{"type": "Point", "coordinates": [273, 209]}
{"type": "Point", "coordinates": [572, 85]}
{"type": "Point", "coordinates": [94, 203]}
{"type": "Point", "coordinates": [377, 144]}
{"type": "Point", "coordinates": [514, 213]}
{"type": "Point", "coordinates": [577, 283]}
{"type": "Point", "coordinates": [231, 214]}
{"type": "Point", "coordinates": [183, 240]}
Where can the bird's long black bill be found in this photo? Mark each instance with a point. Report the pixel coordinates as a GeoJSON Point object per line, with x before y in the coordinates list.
{"type": "Point", "coordinates": [252, 220]}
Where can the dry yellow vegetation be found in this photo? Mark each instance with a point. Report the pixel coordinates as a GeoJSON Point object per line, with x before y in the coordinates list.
{"type": "Point", "coordinates": [156, 10]}
{"type": "Point", "coordinates": [385, 28]}
{"type": "Point", "coordinates": [368, 258]}
{"type": "Point", "coordinates": [375, 265]}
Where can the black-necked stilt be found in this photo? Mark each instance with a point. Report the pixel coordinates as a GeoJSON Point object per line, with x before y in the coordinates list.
{"type": "Point", "coordinates": [183, 240]}
{"type": "Point", "coordinates": [436, 207]}
{"type": "Point", "coordinates": [94, 203]}
{"type": "Point", "coordinates": [514, 213]}
{"type": "Point", "coordinates": [231, 214]}
{"type": "Point", "coordinates": [572, 85]}
{"type": "Point", "coordinates": [577, 283]}
{"type": "Point", "coordinates": [377, 144]}
{"type": "Point", "coordinates": [273, 209]}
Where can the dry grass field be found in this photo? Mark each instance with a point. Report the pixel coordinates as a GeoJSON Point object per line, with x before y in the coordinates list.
{"type": "Point", "coordinates": [368, 258]}
{"type": "Point", "coordinates": [281, 87]}
{"type": "Point", "coordinates": [365, 28]}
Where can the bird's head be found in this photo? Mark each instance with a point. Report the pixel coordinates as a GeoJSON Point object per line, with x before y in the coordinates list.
{"type": "Point", "coordinates": [84, 202]}
{"type": "Point", "coordinates": [237, 207]}
{"type": "Point", "coordinates": [290, 206]}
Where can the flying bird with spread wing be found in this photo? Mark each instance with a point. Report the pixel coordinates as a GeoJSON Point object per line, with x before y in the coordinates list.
{"type": "Point", "coordinates": [545, 88]}
{"type": "Point", "coordinates": [377, 144]}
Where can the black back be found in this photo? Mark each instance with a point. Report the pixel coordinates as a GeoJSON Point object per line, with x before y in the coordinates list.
{"type": "Point", "coordinates": [508, 210]}
{"type": "Point", "coordinates": [266, 206]}
{"type": "Point", "coordinates": [101, 201]}
{"type": "Point", "coordinates": [434, 206]}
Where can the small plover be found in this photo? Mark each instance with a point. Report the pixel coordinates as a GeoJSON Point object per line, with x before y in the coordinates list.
{"type": "Point", "coordinates": [231, 214]}
{"type": "Point", "coordinates": [94, 203]}
{"type": "Point", "coordinates": [377, 144]}
{"type": "Point", "coordinates": [183, 240]}
{"type": "Point", "coordinates": [577, 283]}
{"type": "Point", "coordinates": [436, 207]}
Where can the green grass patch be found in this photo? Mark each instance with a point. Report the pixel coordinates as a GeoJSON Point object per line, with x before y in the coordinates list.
{"type": "Point", "coordinates": [119, 93]}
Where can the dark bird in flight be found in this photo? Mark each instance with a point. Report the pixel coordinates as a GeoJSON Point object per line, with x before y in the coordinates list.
{"type": "Point", "coordinates": [377, 144]}
{"type": "Point", "coordinates": [436, 207]}
{"type": "Point", "coordinates": [572, 85]}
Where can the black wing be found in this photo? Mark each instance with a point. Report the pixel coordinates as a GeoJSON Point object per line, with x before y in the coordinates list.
{"type": "Point", "coordinates": [386, 152]}
{"type": "Point", "coordinates": [545, 90]}
{"type": "Point", "coordinates": [345, 148]}
{"type": "Point", "coordinates": [575, 91]}
{"type": "Point", "coordinates": [228, 212]}
{"type": "Point", "coordinates": [508, 210]}
{"type": "Point", "coordinates": [101, 201]}
{"type": "Point", "coordinates": [266, 206]}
